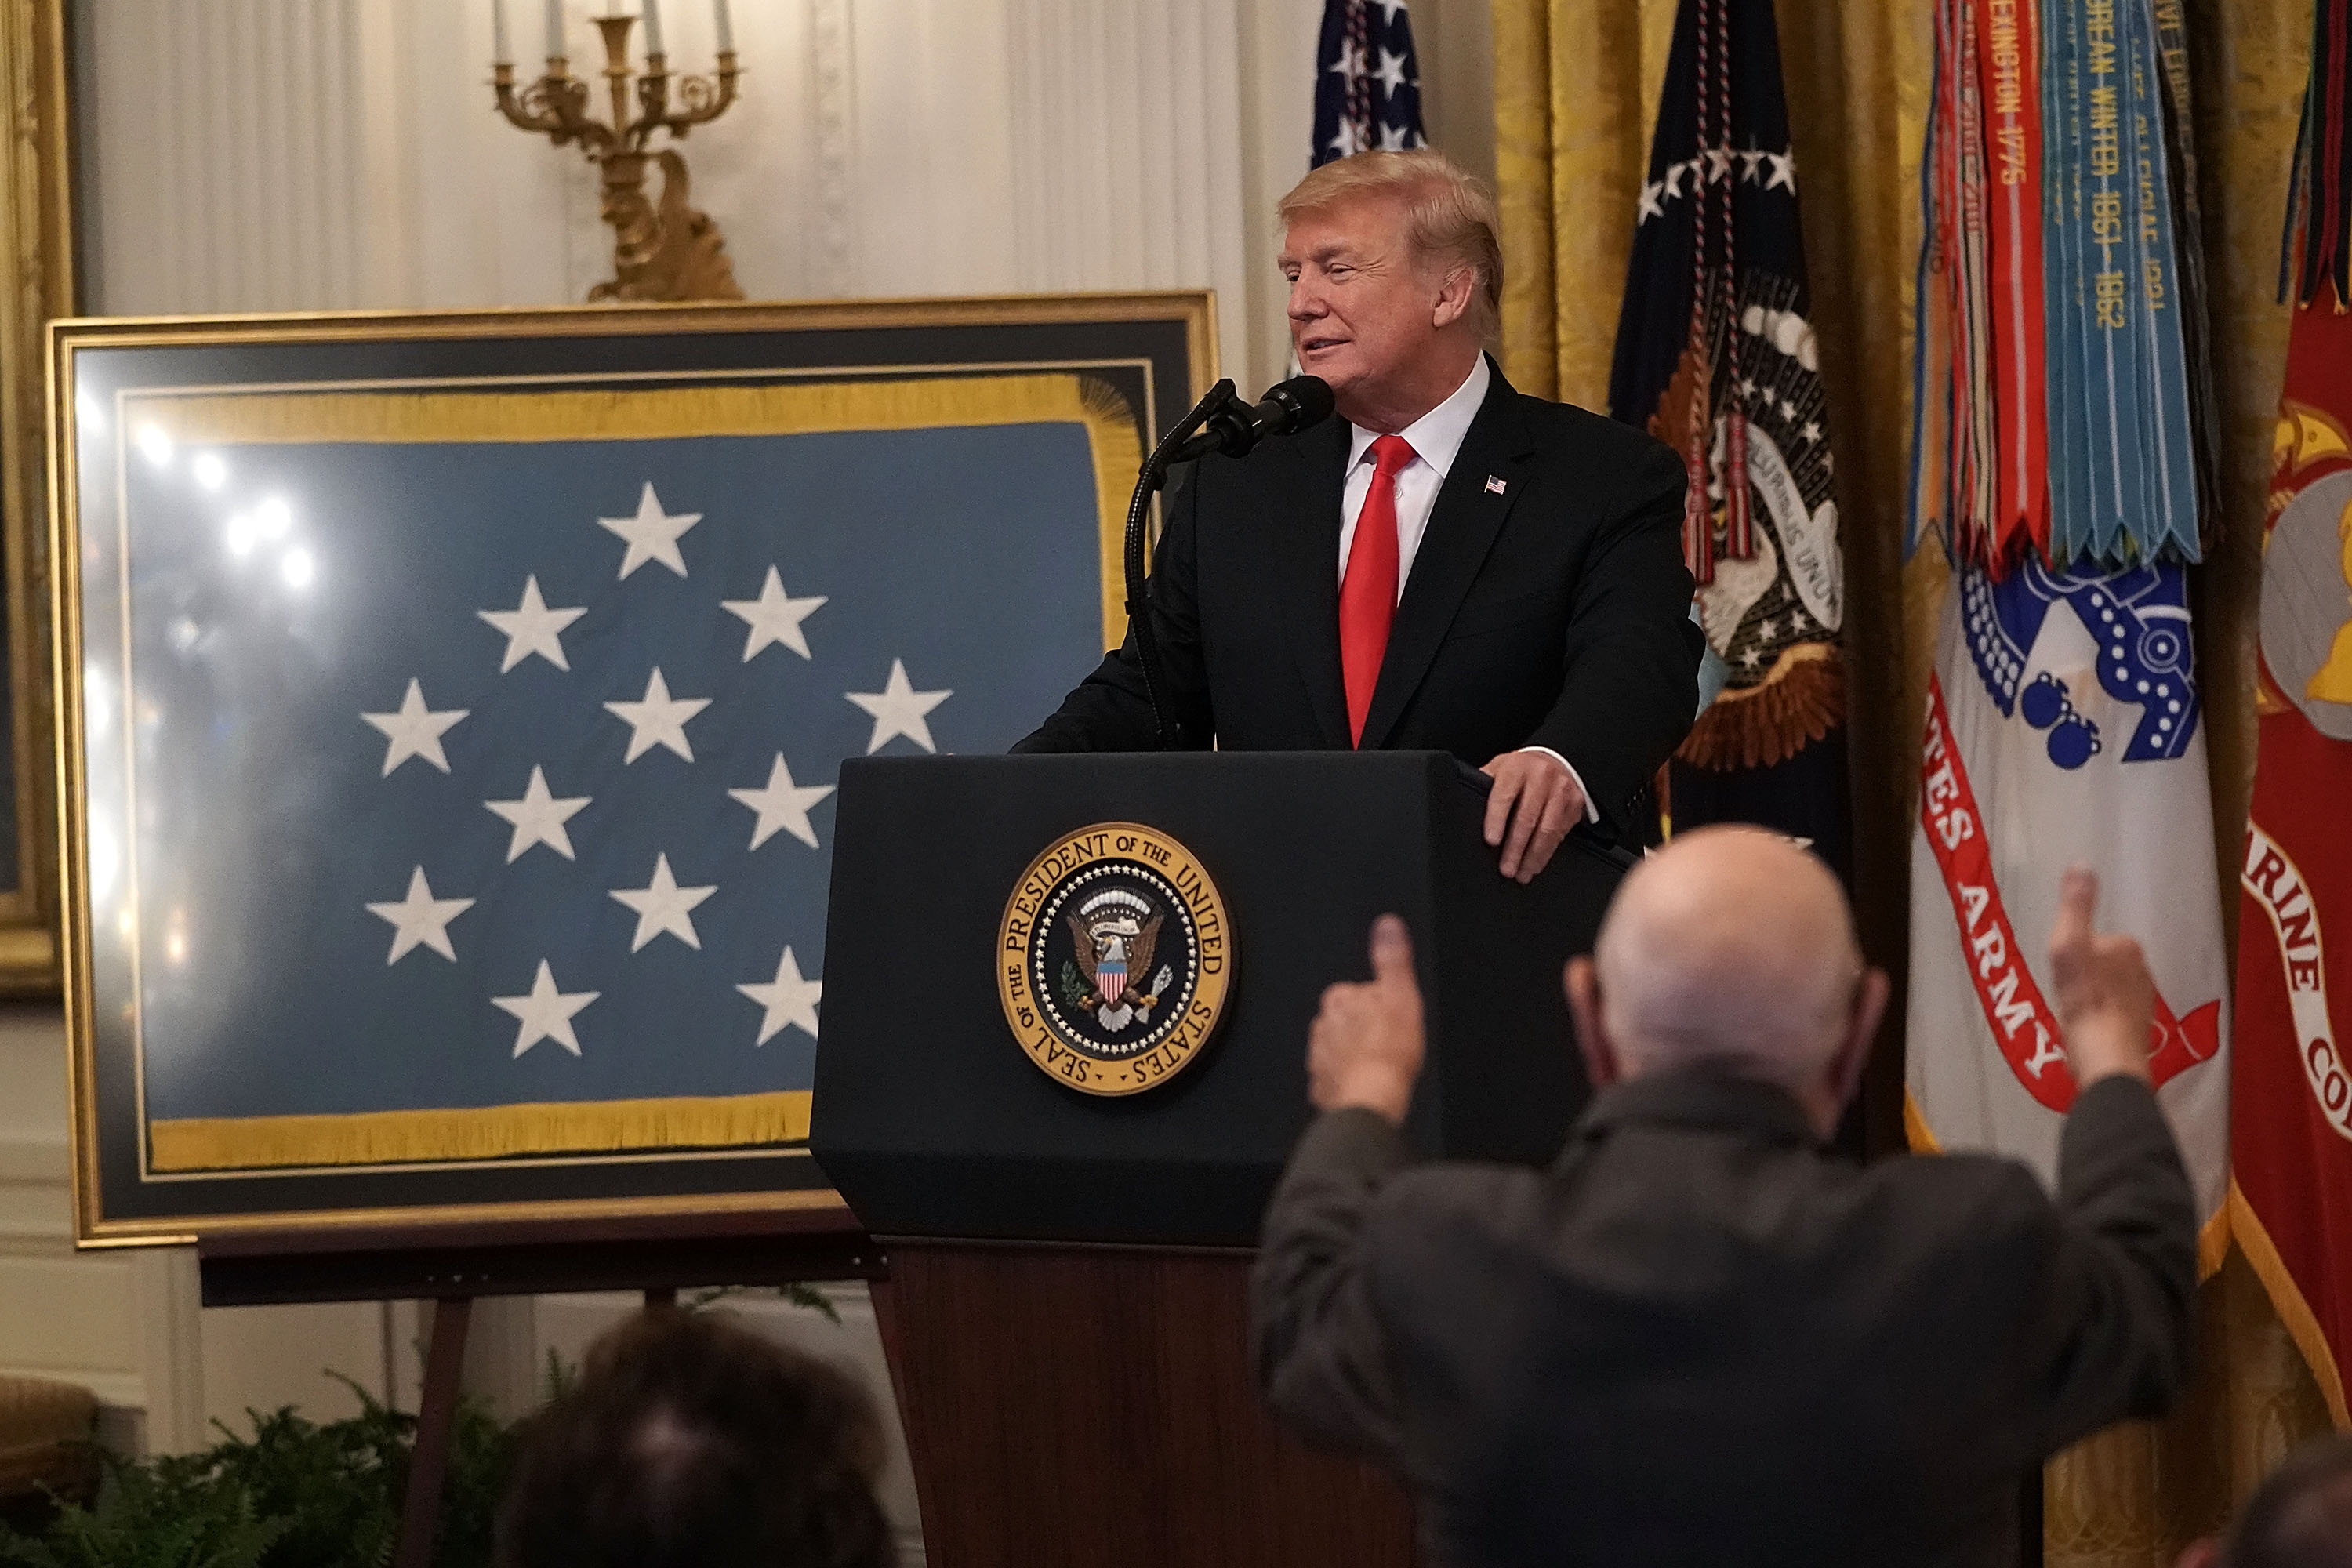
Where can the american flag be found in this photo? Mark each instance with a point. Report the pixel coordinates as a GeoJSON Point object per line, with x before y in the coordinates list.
{"type": "Point", "coordinates": [491, 773]}
{"type": "Point", "coordinates": [1367, 82]}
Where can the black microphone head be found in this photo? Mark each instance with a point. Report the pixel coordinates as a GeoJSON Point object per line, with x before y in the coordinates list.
{"type": "Point", "coordinates": [1304, 400]}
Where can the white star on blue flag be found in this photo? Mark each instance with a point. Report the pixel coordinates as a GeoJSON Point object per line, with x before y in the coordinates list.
{"type": "Point", "coordinates": [1367, 81]}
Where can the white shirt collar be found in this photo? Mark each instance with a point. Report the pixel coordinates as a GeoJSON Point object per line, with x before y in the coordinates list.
{"type": "Point", "coordinates": [1438, 434]}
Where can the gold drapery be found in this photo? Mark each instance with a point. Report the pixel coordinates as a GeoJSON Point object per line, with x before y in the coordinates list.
{"type": "Point", "coordinates": [1576, 89]}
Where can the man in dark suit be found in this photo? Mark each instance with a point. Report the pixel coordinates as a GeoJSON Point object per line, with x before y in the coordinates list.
{"type": "Point", "coordinates": [1699, 1338]}
{"type": "Point", "coordinates": [1450, 566]}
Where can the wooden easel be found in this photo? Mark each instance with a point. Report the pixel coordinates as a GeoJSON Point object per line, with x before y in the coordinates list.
{"type": "Point", "coordinates": [452, 1266]}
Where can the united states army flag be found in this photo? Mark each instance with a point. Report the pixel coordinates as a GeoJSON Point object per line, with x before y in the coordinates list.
{"type": "Point", "coordinates": [2063, 727]}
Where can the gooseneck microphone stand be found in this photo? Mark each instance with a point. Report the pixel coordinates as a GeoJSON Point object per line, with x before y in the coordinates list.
{"type": "Point", "coordinates": [1220, 402]}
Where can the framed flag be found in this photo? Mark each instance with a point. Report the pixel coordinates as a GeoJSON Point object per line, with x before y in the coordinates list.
{"type": "Point", "coordinates": [452, 705]}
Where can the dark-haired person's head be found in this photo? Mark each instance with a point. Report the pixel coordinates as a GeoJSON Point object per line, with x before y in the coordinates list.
{"type": "Point", "coordinates": [690, 1441]}
{"type": "Point", "coordinates": [2300, 1518]}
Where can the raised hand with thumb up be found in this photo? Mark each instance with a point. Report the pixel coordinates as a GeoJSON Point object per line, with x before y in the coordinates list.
{"type": "Point", "coordinates": [2104, 995]}
{"type": "Point", "coordinates": [1366, 1047]}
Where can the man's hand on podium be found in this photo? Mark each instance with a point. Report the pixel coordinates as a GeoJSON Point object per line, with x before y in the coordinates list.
{"type": "Point", "coordinates": [1536, 800]}
{"type": "Point", "coordinates": [1366, 1047]}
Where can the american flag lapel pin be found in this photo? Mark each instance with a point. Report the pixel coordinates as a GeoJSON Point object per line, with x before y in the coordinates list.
{"type": "Point", "coordinates": [1495, 486]}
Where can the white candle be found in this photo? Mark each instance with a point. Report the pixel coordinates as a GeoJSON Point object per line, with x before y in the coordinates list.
{"type": "Point", "coordinates": [499, 53]}
{"type": "Point", "coordinates": [652, 27]}
{"type": "Point", "coordinates": [726, 28]}
{"type": "Point", "coordinates": [555, 29]}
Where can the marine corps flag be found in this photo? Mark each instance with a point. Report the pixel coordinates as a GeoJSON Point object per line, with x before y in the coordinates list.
{"type": "Point", "coordinates": [2292, 1203]}
{"type": "Point", "coordinates": [1716, 356]}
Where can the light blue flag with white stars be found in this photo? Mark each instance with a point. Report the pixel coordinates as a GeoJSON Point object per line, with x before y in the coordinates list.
{"type": "Point", "coordinates": [489, 780]}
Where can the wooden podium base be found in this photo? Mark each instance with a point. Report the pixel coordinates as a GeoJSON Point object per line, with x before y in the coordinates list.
{"type": "Point", "coordinates": [1083, 1405]}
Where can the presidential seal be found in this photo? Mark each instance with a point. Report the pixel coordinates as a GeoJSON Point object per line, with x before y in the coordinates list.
{"type": "Point", "coordinates": [1114, 958]}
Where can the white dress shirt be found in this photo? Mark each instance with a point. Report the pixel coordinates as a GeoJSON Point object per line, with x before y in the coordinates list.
{"type": "Point", "coordinates": [1436, 439]}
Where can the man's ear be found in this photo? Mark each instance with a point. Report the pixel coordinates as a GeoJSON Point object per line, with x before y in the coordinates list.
{"type": "Point", "coordinates": [1582, 984]}
{"type": "Point", "coordinates": [1454, 298]}
{"type": "Point", "coordinates": [1861, 1033]}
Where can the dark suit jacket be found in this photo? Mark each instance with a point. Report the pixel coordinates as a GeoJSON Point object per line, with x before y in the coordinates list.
{"type": "Point", "coordinates": [1552, 614]}
{"type": "Point", "coordinates": [1699, 1338]}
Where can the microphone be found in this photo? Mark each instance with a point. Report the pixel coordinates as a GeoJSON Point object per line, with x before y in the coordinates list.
{"type": "Point", "coordinates": [1220, 422]}
{"type": "Point", "coordinates": [1238, 427]}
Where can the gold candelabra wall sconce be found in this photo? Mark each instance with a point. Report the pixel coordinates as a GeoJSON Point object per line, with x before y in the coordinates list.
{"type": "Point", "coordinates": [661, 250]}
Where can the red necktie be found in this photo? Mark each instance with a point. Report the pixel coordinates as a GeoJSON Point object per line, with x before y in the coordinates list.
{"type": "Point", "coordinates": [1368, 593]}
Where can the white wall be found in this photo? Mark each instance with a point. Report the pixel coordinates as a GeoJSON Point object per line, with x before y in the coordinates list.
{"type": "Point", "coordinates": [879, 148]}
{"type": "Point", "coordinates": [126, 1322]}
{"type": "Point", "coordinates": [76, 1318]}
{"type": "Point", "coordinates": [322, 154]}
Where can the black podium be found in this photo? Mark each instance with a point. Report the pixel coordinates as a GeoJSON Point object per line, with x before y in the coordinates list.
{"type": "Point", "coordinates": [1065, 1308]}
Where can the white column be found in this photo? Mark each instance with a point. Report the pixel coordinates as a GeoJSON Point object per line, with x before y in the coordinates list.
{"type": "Point", "coordinates": [1278, 71]}
{"type": "Point", "coordinates": [227, 139]}
{"type": "Point", "coordinates": [1126, 134]}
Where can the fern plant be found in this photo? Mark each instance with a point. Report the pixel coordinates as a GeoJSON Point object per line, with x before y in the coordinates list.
{"type": "Point", "coordinates": [296, 1494]}
{"type": "Point", "coordinates": [144, 1518]}
{"type": "Point", "coordinates": [299, 1493]}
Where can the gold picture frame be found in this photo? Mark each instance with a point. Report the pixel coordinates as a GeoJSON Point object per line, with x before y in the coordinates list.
{"type": "Point", "coordinates": [143, 1178]}
{"type": "Point", "coordinates": [37, 235]}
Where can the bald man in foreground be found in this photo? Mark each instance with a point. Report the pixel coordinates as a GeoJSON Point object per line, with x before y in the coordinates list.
{"type": "Point", "coordinates": [1699, 1338]}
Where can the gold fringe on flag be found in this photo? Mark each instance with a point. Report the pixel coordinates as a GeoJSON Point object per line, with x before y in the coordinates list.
{"type": "Point", "coordinates": [1800, 701]}
{"type": "Point", "coordinates": [544, 414]}
{"type": "Point", "coordinates": [2286, 1299]}
{"type": "Point", "coordinates": [486, 1132]}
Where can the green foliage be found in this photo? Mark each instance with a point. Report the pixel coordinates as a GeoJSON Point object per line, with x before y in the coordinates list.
{"type": "Point", "coordinates": [798, 1293]}
{"type": "Point", "coordinates": [300, 1494]}
{"type": "Point", "coordinates": [296, 1494]}
{"type": "Point", "coordinates": [145, 1518]}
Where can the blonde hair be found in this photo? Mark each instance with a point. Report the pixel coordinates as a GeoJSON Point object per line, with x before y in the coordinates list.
{"type": "Point", "coordinates": [1449, 215]}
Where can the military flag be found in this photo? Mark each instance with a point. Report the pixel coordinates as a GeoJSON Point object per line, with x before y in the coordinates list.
{"type": "Point", "coordinates": [2062, 399]}
{"type": "Point", "coordinates": [1717, 355]}
{"type": "Point", "coordinates": [2057, 456]}
{"type": "Point", "coordinates": [2063, 727]}
{"type": "Point", "coordinates": [2291, 1204]}
{"type": "Point", "coordinates": [1367, 81]}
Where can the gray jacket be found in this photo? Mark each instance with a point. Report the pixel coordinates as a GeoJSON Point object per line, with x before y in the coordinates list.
{"type": "Point", "coordinates": [1699, 1338]}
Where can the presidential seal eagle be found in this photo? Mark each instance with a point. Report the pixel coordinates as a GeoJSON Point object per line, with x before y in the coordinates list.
{"type": "Point", "coordinates": [1115, 936]}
